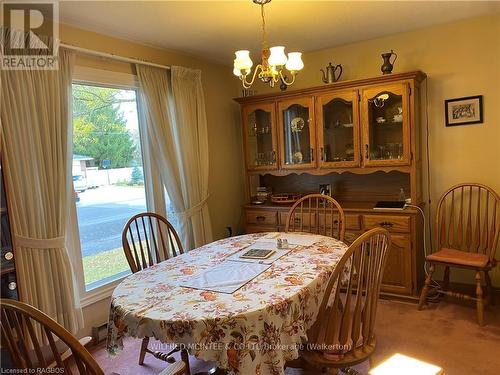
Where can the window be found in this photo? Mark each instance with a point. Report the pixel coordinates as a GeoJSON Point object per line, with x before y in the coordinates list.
{"type": "Point", "coordinates": [108, 177]}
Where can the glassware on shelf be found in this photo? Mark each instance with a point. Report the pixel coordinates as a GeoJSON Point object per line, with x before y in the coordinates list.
{"type": "Point", "coordinates": [400, 151]}
{"type": "Point", "coordinates": [402, 195]}
{"type": "Point", "coordinates": [391, 150]}
{"type": "Point", "coordinates": [253, 130]}
{"type": "Point", "coordinates": [260, 139]}
{"type": "Point", "coordinates": [381, 152]}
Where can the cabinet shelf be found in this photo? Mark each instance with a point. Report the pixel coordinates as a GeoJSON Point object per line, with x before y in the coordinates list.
{"type": "Point", "coordinates": [381, 125]}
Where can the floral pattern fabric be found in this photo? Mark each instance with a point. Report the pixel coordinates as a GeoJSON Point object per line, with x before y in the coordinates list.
{"type": "Point", "coordinates": [255, 330]}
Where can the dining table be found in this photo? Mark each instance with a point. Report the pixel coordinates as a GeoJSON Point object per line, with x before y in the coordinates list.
{"type": "Point", "coordinates": [255, 329]}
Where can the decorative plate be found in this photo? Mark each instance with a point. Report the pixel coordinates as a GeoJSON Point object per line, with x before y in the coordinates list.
{"type": "Point", "coordinates": [297, 124]}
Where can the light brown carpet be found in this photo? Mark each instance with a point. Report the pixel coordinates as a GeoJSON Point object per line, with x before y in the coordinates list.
{"type": "Point", "coordinates": [444, 334]}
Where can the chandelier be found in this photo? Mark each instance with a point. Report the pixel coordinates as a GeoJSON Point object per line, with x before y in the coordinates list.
{"type": "Point", "coordinates": [274, 60]}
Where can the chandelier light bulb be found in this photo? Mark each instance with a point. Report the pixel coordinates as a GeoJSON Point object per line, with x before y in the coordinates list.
{"type": "Point", "coordinates": [243, 60]}
{"type": "Point", "coordinates": [277, 57]}
{"type": "Point", "coordinates": [294, 63]}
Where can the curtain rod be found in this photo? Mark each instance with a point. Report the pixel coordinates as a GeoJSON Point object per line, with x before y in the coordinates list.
{"type": "Point", "coordinates": [87, 51]}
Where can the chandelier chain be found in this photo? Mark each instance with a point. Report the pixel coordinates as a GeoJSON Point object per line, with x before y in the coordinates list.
{"type": "Point", "coordinates": [264, 33]}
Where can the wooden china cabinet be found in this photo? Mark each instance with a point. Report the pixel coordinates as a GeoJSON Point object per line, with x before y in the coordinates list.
{"type": "Point", "coordinates": [361, 137]}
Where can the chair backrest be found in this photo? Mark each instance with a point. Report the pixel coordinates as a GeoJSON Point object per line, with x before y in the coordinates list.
{"type": "Point", "coordinates": [468, 219]}
{"type": "Point", "coordinates": [19, 324]}
{"type": "Point", "coordinates": [347, 313]}
{"type": "Point", "coordinates": [149, 238]}
{"type": "Point", "coordinates": [319, 214]}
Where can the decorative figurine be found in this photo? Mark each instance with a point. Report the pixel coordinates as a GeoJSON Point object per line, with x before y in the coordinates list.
{"type": "Point", "coordinates": [330, 76]}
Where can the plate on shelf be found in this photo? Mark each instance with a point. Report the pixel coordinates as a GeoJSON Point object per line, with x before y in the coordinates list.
{"type": "Point", "coordinates": [256, 201]}
{"type": "Point", "coordinates": [297, 124]}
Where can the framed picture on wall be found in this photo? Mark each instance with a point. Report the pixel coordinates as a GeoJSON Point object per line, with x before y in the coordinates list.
{"type": "Point", "coordinates": [325, 189]}
{"type": "Point", "coordinates": [464, 111]}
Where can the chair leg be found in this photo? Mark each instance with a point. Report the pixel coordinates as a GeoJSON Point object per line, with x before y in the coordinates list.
{"type": "Point", "coordinates": [479, 300]}
{"type": "Point", "coordinates": [370, 362]}
{"type": "Point", "coordinates": [489, 288]}
{"type": "Point", "coordinates": [446, 278]}
{"type": "Point", "coordinates": [425, 290]}
{"type": "Point", "coordinates": [144, 347]}
{"type": "Point", "coordinates": [185, 359]}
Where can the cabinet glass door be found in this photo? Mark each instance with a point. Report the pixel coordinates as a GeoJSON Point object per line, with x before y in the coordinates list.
{"type": "Point", "coordinates": [386, 125]}
{"type": "Point", "coordinates": [297, 136]}
{"type": "Point", "coordinates": [260, 138]}
{"type": "Point", "coordinates": [338, 129]}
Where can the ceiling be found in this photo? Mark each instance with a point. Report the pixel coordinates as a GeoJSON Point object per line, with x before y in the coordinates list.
{"type": "Point", "coordinates": [215, 29]}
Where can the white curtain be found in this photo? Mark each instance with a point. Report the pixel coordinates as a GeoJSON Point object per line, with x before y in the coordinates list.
{"type": "Point", "coordinates": [36, 143]}
{"type": "Point", "coordinates": [176, 135]}
{"type": "Point", "coordinates": [192, 151]}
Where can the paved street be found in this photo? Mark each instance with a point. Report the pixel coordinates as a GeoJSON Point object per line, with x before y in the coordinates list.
{"type": "Point", "coordinates": [102, 214]}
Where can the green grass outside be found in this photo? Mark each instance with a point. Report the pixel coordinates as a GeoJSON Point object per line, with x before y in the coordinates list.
{"type": "Point", "coordinates": [102, 265]}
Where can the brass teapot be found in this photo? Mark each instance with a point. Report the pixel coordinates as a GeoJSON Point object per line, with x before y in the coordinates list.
{"type": "Point", "coordinates": [330, 75]}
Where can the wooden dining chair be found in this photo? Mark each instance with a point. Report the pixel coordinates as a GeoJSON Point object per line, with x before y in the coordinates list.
{"type": "Point", "coordinates": [20, 323]}
{"type": "Point", "coordinates": [467, 228]}
{"type": "Point", "coordinates": [343, 334]}
{"type": "Point", "coordinates": [318, 214]}
{"type": "Point", "coordinates": [149, 238]}
{"type": "Point", "coordinates": [54, 351]}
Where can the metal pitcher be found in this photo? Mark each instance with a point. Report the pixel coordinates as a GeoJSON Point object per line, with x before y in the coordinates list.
{"type": "Point", "coordinates": [387, 66]}
{"type": "Point", "coordinates": [330, 75]}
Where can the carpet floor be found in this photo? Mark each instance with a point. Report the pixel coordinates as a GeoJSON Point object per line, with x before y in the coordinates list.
{"type": "Point", "coordinates": [445, 334]}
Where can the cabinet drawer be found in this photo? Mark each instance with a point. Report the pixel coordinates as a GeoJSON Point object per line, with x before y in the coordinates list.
{"type": "Point", "coordinates": [305, 219]}
{"type": "Point", "coordinates": [252, 228]}
{"type": "Point", "coordinates": [391, 223]}
{"type": "Point", "coordinates": [261, 217]}
{"type": "Point", "coordinates": [351, 221]}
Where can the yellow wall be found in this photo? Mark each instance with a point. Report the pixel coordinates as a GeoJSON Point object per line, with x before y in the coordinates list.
{"type": "Point", "coordinates": [460, 59]}
{"type": "Point", "coordinates": [226, 180]}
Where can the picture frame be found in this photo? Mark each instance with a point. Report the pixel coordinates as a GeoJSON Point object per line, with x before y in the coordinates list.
{"type": "Point", "coordinates": [464, 111]}
{"type": "Point", "coordinates": [325, 189]}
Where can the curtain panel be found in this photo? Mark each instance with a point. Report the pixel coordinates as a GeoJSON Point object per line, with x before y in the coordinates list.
{"type": "Point", "coordinates": [176, 138]}
{"type": "Point", "coordinates": [36, 147]}
{"type": "Point", "coordinates": [192, 137]}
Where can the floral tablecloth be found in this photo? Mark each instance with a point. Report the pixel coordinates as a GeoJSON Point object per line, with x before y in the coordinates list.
{"type": "Point", "coordinates": [252, 331]}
